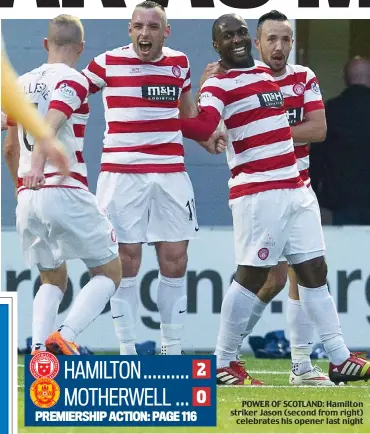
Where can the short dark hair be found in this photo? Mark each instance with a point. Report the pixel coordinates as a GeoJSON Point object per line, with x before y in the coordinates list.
{"type": "Point", "coordinates": [273, 15]}
{"type": "Point", "coordinates": [219, 21]}
{"type": "Point", "coordinates": [149, 4]}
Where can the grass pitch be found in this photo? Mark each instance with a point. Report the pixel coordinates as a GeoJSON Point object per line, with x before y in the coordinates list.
{"type": "Point", "coordinates": [229, 400]}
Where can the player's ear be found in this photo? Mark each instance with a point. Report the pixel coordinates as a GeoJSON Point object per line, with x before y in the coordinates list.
{"type": "Point", "coordinates": [167, 31]}
{"type": "Point", "coordinates": [129, 29]}
{"type": "Point", "coordinates": [81, 48]}
{"type": "Point", "coordinates": [215, 46]}
{"type": "Point", "coordinates": [46, 44]}
{"type": "Point", "coordinates": [256, 43]}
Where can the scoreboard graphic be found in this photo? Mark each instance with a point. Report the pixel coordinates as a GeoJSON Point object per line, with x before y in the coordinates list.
{"type": "Point", "coordinates": [120, 391]}
{"type": "Point", "coordinates": [8, 363]}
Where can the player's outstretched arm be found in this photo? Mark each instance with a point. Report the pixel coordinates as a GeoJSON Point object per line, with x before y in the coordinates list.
{"type": "Point", "coordinates": [16, 106]}
{"type": "Point", "coordinates": [188, 110]}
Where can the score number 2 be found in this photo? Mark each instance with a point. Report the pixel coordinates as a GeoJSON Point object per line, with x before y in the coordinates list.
{"type": "Point", "coordinates": [201, 396]}
{"type": "Point", "coordinates": [202, 369]}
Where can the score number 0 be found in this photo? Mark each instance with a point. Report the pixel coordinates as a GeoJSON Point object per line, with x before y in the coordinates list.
{"type": "Point", "coordinates": [201, 396]}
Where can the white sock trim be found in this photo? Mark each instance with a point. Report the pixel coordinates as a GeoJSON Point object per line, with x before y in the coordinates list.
{"type": "Point", "coordinates": [172, 281]}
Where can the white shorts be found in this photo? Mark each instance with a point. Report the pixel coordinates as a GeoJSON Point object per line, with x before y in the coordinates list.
{"type": "Point", "coordinates": [277, 223]}
{"type": "Point", "coordinates": [57, 224]}
{"type": "Point", "coordinates": [148, 207]}
{"type": "Point", "coordinates": [310, 190]}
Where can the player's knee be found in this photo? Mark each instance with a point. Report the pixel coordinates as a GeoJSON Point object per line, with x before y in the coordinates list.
{"type": "Point", "coordinates": [174, 263]}
{"type": "Point", "coordinates": [112, 270]}
{"type": "Point", "coordinates": [312, 273]}
{"type": "Point", "coordinates": [130, 256]}
{"type": "Point", "coordinates": [57, 277]}
{"type": "Point", "coordinates": [274, 284]}
{"type": "Point", "coordinates": [280, 280]}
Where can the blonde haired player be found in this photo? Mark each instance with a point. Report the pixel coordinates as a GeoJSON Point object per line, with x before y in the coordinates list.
{"type": "Point", "coordinates": [61, 220]}
{"type": "Point", "coordinates": [15, 105]}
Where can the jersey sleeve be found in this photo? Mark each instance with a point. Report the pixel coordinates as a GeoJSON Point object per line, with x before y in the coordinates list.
{"type": "Point", "coordinates": [95, 72]}
{"type": "Point", "coordinates": [312, 95]}
{"type": "Point", "coordinates": [212, 97]}
{"type": "Point", "coordinates": [212, 101]}
{"type": "Point", "coordinates": [69, 93]}
{"type": "Point", "coordinates": [187, 83]}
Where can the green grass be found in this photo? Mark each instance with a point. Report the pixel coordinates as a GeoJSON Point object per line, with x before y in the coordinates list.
{"type": "Point", "coordinates": [275, 375]}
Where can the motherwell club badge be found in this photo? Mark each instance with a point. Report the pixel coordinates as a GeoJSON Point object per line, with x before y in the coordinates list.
{"type": "Point", "coordinates": [44, 392]}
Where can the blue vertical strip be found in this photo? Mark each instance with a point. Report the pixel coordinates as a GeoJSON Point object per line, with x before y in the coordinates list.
{"type": "Point", "coordinates": [4, 368]}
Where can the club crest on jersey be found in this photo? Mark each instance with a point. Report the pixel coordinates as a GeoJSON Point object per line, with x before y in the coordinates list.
{"type": "Point", "coordinates": [263, 253]}
{"type": "Point", "coordinates": [271, 99]}
{"type": "Point", "coordinates": [298, 88]}
{"type": "Point", "coordinates": [67, 90]}
{"type": "Point", "coordinates": [176, 71]}
{"type": "Point", "coordinates": [315, 87]}
{"type": "Point", "coordinates": [161, 93]}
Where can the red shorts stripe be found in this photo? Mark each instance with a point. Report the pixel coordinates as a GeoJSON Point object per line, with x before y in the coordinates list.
{"type": "Point", "coordinates": [73, 175]}
{"type": "Point", "coordinates": [175, 149]}
{"type": "Point", "coordinates": [143, 168]}
{"type": "Point", "coordinates": [258, 187]}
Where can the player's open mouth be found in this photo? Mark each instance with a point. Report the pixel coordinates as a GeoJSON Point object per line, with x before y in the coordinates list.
{"type": "Point", "coordinates": [239, 51]}
{"type": "Point", "coordinates": [145, 46]}
{"type": "Point", "coordinates": [278, 58]}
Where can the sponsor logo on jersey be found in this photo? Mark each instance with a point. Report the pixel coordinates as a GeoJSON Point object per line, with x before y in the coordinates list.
{"type": "Point", "coordinates": [294, 115]}
{"type": "Point", "coordinates": [315, 88]}
{"type": "Point", "coordinates": [204, 97]}
{"type": "Point", "coordinates": [271, 99]}
{"type": "Point", "coordinates": [66, 90]}
{"type": "Point", "coordinates": [161, 93]}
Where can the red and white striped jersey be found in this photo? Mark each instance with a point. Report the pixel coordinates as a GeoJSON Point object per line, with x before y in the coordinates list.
{"type": "Point", "coordinates": [302, 95]}
{"type": "Point", "coordinates": [141, 102]}
{"type": "Point", "coordinates": [260, 151]}
{"type": "Point", "coordinates": [57, 86]}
